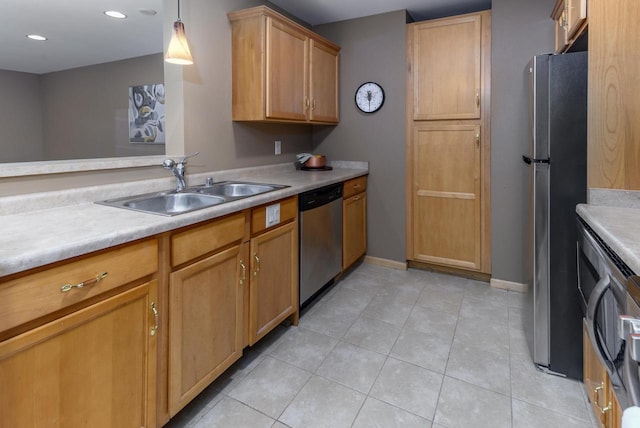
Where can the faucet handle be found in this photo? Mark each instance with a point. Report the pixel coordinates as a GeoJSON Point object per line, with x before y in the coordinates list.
{"type": "Point", "coordinates": [184, 159]}
{"type": "Point", "coordinates": [168, 163]}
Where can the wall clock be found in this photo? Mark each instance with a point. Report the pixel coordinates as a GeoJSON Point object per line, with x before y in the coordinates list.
{"type": "Point", "coordinates": [369, 97]}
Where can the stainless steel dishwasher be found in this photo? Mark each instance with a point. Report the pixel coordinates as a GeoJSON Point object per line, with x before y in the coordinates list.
{"type": "Point", "coordinates": [320, 239]}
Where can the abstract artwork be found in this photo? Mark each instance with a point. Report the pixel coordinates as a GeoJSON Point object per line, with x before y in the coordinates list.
{"type": "Point", "coordinates": [146, 114]}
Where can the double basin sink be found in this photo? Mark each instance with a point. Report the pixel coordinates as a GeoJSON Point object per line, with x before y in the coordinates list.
{"type": "Point", "coordinates": [171, 202]}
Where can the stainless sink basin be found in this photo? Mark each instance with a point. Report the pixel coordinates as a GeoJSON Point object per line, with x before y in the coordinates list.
{"type": "Point", "coordinates": [234, 189]}
{"type": "Point", "coordinates": [167, 204]}
{"type": "Point", "coordinates": [171, 203]}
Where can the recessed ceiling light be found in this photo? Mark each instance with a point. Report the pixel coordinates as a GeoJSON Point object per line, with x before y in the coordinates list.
{"type": "Point", "coordinates": [37, 37]}
{"type": "Point", "coordinates": [115, 14]}
{"type": "Point", "coordinates": [148, 12]}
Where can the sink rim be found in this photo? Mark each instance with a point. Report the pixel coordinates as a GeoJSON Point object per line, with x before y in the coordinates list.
{"type": "Point", "coordinates": [195, 191]}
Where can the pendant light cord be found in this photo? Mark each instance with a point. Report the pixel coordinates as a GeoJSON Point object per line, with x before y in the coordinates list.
{"type": "Point", "coordinates": [178, 10]}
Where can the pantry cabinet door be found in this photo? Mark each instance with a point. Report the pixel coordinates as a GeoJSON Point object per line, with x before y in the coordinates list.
{"type": "Point", "coordinates": [446, 68]}
{"type": "Point", "coordinates": [446, 194]}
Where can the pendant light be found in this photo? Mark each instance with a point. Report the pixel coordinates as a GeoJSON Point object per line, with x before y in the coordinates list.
{"type": "Point", "coordinates": [178, 50]}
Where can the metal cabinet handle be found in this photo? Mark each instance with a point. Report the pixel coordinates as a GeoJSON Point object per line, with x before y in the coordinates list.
{"type": "Point", "coordinates": [478, 98]}
{"type": "Point", "coordinates": [596, 391]}
{"type": "Point", "coordinates": [313, 104]}
{"type": "Point", "coordinates": [244, 272]}
{"type": "Point", "coordinates": [306, 102]}
{"type": "Point", "coordinates": [257, 269]}
{"type": "Point", "coordinates": [91, 281]}
{"type": "Point", "coordinates": [154, 329]}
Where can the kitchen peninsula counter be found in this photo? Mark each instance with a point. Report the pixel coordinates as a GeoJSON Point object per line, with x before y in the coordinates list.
{"type": "Point", "coordinates": [39, 229]}
{"type": "Point", "coordinates": [618, 227]}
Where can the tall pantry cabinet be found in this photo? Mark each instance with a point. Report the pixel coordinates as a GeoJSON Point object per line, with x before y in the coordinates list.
{"type": "Point", "coordinates": [448, 142]}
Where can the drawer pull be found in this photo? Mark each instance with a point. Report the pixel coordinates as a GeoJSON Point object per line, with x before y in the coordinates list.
{"type": "Point", "coordinates": [356, 186]}
{"type": "Point", "coordinates": [154, 329]}
{"type": "Point", "coordinates": [98, 278]}
{"type": "Point", "coordinates": [596, 391]}
{"type": "Point", "coordinates": [244, 272]}
{"type": "Point", "coordinates": [257, 269]}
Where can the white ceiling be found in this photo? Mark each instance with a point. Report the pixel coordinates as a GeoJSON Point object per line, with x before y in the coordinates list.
{"type": "Point", "coordinates": [80, 34]}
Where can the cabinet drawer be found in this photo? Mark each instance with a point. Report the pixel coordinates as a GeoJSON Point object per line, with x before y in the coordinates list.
{"type": "Point", "coordinates": [200, 240]}
{"type": "Point", "coordinates": [288, 211]}
{"type": "Point", "coordinates": [354, 186]}
{"type": "Point", "coordinates": [32, 296]}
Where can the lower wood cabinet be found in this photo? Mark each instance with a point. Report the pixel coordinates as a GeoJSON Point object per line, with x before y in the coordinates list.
{"type": "Point", "coordinates": [600, 393]}
{"type": "Point", "coordinates": [354, 221]}
{"type": "Point", "coordinates": [205, 329]}
{"type": "Point", "coordinates": [273, 295]}
{"type": "Point", "coordinates": [95, 367]}
{"type": "Point", "coordinates": [205, 306]}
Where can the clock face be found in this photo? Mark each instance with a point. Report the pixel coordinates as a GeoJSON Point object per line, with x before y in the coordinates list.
{"type": "Point", "coordinates": [369, 97]}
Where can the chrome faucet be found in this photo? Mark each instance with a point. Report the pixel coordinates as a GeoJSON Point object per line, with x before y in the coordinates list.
{"type": "Point", "coordinates": [178, 169]}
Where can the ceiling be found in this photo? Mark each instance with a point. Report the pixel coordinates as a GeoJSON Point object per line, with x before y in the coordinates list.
{"type": "Point", "coordinates": [317, 12]}
{"type": "Point", "coordinates": [79, 34]}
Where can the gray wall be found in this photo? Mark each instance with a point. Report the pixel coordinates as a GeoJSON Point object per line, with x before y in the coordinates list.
{"type": "Point", "coordinates": [520, 30]}
{"type": "Point", "coordinates": [20, 117]}
{"type": "Point", "coordinates": [373, 49]}
{"type": "Point", "coordinates": [86, 109]}
{"type": "Point", "coordinates": [206, 87]}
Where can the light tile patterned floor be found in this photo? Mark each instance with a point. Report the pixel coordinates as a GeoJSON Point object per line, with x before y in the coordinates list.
{"type": "Point", "coordinates": [387, 348]}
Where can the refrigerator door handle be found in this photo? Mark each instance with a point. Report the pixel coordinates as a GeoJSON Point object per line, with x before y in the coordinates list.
{"type": "Point", "coordinates": [529, 160]}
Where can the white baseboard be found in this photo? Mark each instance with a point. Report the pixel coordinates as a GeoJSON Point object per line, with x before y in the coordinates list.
{"type": "Point", "coordinates": [385, 262]}
{"type": "Point", "coordinates": [509, 285]}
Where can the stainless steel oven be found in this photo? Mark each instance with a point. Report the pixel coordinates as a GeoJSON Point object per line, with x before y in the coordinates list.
{"type": "Point", "coordinates": [602, 279]}
{"type": "Point", "coordinates": [629, 329]}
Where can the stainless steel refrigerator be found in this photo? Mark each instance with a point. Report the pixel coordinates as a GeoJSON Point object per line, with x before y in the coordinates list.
{"type": "Point", "coordinates": [557, 182]}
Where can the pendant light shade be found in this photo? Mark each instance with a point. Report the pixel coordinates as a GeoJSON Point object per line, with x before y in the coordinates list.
{"type": "Point", "coordinates": [178, 51]}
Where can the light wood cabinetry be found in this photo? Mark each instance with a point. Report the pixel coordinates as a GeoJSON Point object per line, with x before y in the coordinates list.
{"type": "Point", "coordinates": [448, 132]}
{"type": "Point", "coordinates": [281, 71]}
{"type": "Point", "coordinates": [613, 104]}
{"type": "Point", "coordinates": [604, 402]}
{"type": "Point", "coordinates": [205, 305]}
{"type": "Point", "coordinates": [273, 270]}
{"type": "Point", "coordinates": [88, 361]}
{"type": "Point", "coordinates": [354, 221]}
{"type": "Point", "coordinates": [570, 18]}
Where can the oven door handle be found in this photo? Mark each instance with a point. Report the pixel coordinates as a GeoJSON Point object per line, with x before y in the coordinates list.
{"type": "Point", "coordinates": [594, 303]}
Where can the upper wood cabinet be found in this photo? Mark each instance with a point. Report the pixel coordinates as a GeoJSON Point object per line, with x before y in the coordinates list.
{"type": "Point", "coordinates": [613, 102]}
{"type": "Point", "coordinates": [281, 71]}
{"type": "Point", "coordinates": [446, 56]}
{"type": "Point", "coordinates": [570, 18]}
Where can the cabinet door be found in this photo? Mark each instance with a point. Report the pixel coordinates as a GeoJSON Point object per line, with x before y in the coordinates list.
{"type": "Point", "coordinates": [354, 227]}
{"type": "Point", "coordinates": [92, 368]}
{"type": "Point", "coordinates": [205, 327]}
{"type": "Point", "coordinates": [446, 195]}
{"type": "Point", "coordinates": [324, 83]}
{"type": "Point", "coordinates": [446, 68]}
{"type": "Point", "coordinates": [274, 279]}
{"type": "Point", "coordinates": [595, 378]}
{"type": "Point", "coordinates": [576, 14]}
{"type": "Point", "coordinates": [286, 74]}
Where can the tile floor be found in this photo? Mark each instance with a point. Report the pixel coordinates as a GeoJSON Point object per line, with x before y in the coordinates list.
{"type": "Point", "coordinates": [388, 348]}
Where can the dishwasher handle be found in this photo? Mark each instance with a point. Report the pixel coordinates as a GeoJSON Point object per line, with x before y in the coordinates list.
{"type": "Point", "coordinates": [318, 197]}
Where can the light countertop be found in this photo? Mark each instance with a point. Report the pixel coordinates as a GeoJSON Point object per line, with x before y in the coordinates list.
{"type": "Point", "coordinates": [72, 225]}
{"type": "Point", "coordinates": [618, 227]}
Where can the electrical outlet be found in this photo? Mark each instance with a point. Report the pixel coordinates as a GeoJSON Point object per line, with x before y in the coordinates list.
{"type": "Point", "coordinates": [278, 147]}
